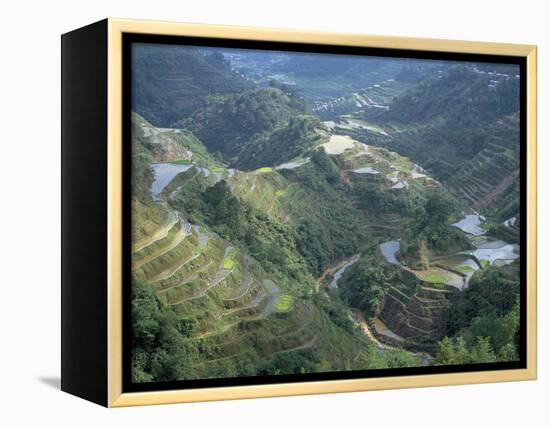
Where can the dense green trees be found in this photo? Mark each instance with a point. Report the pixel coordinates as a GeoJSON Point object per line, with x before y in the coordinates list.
{"type": "Point", "coordinates": [336, 309]}
{"type": "Point", "coordinates": [396, 358]}
{"type": "Point", "coordinates": [291, 363]}
{"type": "Point", "coordinates": [365, 283]}
{"type": "Point", "coordinates": [240, 122]}
{"type": "Point", "coordinates": [159, 348]}
{"type": "Point", "coordinates": [484, 318]}
{"type": "Point", "coordinates": [455, 352]}
{"type": "Point", "coordinates": [491, 291]}
{"type": "Point", "coordinates": [223, 211]}
{"type": "Point", "coordinates": [292, 140]}
{"type": "Point", "coordinates": [323, 235]}
{"type": "Point", "coordinates": [438, 208]}
{"type": "Point", "coordinates": [371, 195]}
{"type": "Point", "coordinates": [430, 230]}
{"type": "Point", "coordinates": [333, 228]}
{"type": "Point", "coordinates": [327, 170]}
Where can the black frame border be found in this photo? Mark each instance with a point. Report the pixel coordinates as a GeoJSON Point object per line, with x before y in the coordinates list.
{"type": "Point", "coordinates": [129, 38]}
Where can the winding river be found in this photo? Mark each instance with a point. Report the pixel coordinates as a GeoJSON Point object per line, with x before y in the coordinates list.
{"type": "Point", "coordinates": [338, 274]}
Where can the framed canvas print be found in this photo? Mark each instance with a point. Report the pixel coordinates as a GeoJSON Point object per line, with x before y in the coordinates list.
{"type": "Point", "coordinates": [250, 212]}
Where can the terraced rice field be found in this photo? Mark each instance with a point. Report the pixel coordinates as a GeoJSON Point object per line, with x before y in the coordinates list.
{"type": "Point", "coordinates": [157, 234]}
{"type": "Point", "coordinates": [194, 272]}
{"type": "Point", "coordinates": [493, 170]}
{"type": "Point", "coordinates": [465, 269]}
{"type": "Point", "coordinates": [271, 194]}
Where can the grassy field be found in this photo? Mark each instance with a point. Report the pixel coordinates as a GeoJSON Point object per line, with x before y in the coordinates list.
{"type": "Point", "coordinates": [283, 303]}
{"type": "Point", "coordinates": [281, 192]}
{"type": "Point", "coordinates": [465, 269]}
{"type": "Point", "coordinates": [265, 170]}
{"type": "Point", "coordinates": [436, 279]}
{"type": "Point", "coordinates": [182, 161]}
{"type": "Point", "coordinates": [484, 263]}
{"type": "Point", "coordinates": [229, 259]}
{"type": "Point", "coordinates": [476, 238]}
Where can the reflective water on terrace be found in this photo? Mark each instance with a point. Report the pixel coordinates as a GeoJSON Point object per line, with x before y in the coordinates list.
{"type": "Point", "coordinates": [366, 170]}
{"type": "Point", "coordinates": [163, 174]}
{"type": "Point", "coordinates": [292, 164]}
{"type": "Point", "coordinates": [389, 250]}
{"type": "Point", "coordinates": [497, 252]}
{"type": "Point", "coordinates": [470, 224]}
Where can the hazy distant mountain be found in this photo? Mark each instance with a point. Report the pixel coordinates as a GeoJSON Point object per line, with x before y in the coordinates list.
{"type": "Point", "coordinates": [170, 82]}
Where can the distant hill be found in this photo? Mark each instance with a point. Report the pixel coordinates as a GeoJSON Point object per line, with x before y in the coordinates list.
{"type": "Point", "coordinates": [244, 123]}
{"type": "Point", "coordinates": [170, 82]}
{"type": "Point", "coordinates": [335, 75]}
{"type": "Point", "coordinates": [320, 78]}
{"type": "Point", "coordinates": [460, 94]}
{"type": "Point", "coordinates": [462, 125]}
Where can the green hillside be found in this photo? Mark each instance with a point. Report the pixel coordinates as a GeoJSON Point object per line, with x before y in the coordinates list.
{"type": "Point", "coordinates": [251, 120]}
{"type": "Point", "coordinates": [460, 124]}
{"type": "Point", "coordinates": [231, 267]}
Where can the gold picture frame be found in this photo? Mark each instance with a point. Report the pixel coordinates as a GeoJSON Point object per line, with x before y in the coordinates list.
{"type": "Point", "coordinates": [115, 29]}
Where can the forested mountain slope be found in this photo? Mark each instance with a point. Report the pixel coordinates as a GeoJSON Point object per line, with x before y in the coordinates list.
{"type": "Point", "coordinates": [266, 126]}
{"type": "Point", "coordinates": [170, 82]}
{"type": "Point", "coordinates": [462, 126]}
